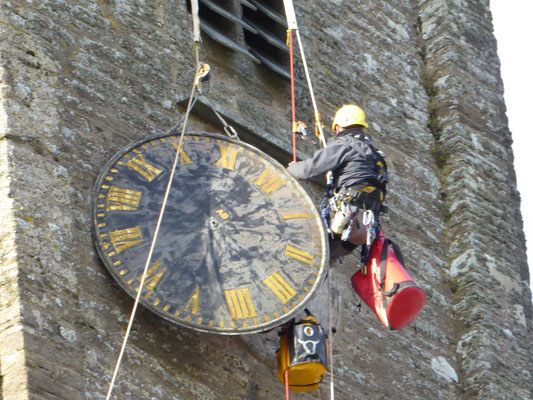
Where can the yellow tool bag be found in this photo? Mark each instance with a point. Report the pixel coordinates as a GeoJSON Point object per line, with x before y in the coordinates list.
{"type": "Point", "coordinates": [302, 354]}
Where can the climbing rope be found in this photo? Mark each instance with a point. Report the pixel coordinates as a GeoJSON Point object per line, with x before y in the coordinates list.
{"type": "Point", "coordinates": [287, 392]}
{"type": "Point", "coordinates": [297, 126]}
{"type": "Point", "coordinates": [293, 102]}
{"type": "Point", "coordinates": [293, 26]}
{"type": "Point", "coordinates": [330, 340]}
{"type": "Point", "coordinates": [318, 118]}
{"type": "Point", "coordinates": [152, 245]}
{"type": "Point", "coordinates": [198, 75]}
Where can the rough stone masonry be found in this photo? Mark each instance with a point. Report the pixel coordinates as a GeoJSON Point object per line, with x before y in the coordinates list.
{"type": "Point", "coordinates": [80, 79]}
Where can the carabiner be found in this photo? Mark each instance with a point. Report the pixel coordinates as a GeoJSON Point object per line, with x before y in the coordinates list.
{"type": "Point", "coordinates": [231, 132]}
{"type": "Point", "coordinates": [368, 218]}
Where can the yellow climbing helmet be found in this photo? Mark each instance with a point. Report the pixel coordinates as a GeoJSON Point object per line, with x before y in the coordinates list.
{"type": "Point", "coordinates": [349, 115]}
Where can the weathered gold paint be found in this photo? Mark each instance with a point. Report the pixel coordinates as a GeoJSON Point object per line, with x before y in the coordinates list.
{"type": "Point", "coordinates": [228, 157]}
{"type": "Point", "coordinates": [121, 239]}
{"type": "Point", "coordinates": [184, 158]}
{"type": "Point", "coordinates": [299, 255]}
{"type": "Point", "coordinates": [193, 301]}
{"type": "Point", "coordinates": [121, 199]}
{"type": "Point", "coordinates": [153, 276]}
{"type": "Point", "coordinates": [268, 181]}
{"type": "Point", "coordinates": [240, 303]}
{"type": "Point", "coordinates": [280, 287]}
{"type": "Point", "coordinates": [148, 171]}
{"type": "Point", "coordinates": [294, 216]}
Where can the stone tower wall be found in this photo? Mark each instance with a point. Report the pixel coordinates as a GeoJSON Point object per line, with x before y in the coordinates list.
{"type": "Point", "coordinates": [81, 79]}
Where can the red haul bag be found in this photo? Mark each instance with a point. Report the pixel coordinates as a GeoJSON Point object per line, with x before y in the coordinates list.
{"type": "Point", "coordinates": [386, 287]}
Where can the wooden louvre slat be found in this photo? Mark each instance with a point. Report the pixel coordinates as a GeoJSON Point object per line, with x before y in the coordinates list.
{"type": "Point", "coordinates": [226, 41]}
{"type": "Point", "coordinates": [269, 37]}
{"type": "Point", "coordinates": [228, 15]}
{"type": "Point", "coordinates": [276, 16]}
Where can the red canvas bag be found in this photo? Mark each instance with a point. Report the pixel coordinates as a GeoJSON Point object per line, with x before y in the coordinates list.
{"type": "Point", "coordinates": [386, 287]}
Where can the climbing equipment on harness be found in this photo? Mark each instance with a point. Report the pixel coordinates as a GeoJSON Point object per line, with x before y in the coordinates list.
{"type": "Point", "coordinates": [370, 222]}
{"type": "Point", "coordinates": [340, 220]}
{"type": "Point", "coordinates": [301, 128]}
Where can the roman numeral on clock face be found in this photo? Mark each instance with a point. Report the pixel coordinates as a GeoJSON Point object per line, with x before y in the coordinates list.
{"type": "Point", "coordinates": [153, 276]}
{"type": "Point", "coordinates": [299, 255]}
{"type": "Point", "coordinates": [268, 181]}
{"type": "Point", "coordinates": [120, 199]}
{"type": "Point", "coordinates": [139, 164]}
{"type": "Point", "coordinates": [240, 303]}
{"type": "Point", "coordinates": [184, 158]}
{"type": "Point", "coordinates": [280, 287]}
{"type": "Point", "coordinates": [121, 239]}
{"type": "Point", "coordinates": [228, 157]}
{"type": "Point", "coordinates": [192, 304]}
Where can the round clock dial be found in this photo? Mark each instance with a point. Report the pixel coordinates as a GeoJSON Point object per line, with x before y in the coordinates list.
{"type": "Point", "coordinates": [241, 247]}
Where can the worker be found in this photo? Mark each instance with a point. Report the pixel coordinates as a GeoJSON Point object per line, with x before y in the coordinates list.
{"type": "Point", "coordinates": [359, 180]}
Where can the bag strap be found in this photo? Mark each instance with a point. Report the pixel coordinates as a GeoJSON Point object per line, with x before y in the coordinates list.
{"type": "Point", "coordinates": [383, 263]}
{"type": "Point", "coordinates": [397, 251]}
{"type": "Point", "coordinates": [398, 287]}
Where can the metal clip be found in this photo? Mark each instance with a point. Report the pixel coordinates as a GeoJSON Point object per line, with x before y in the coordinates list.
{"type": "Point", "coordinates": [368, 218]}
{"type": "Point", "coordinates": [369, 221]}
{"type": "Point", "coordinates": [203, 75]}
{"type": "Point", "coordinates": [231, 132]}
{"type": "Point", "coordinates": [301, 128]}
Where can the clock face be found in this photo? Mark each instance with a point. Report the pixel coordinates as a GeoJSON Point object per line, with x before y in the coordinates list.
{"type": "Point", "coordinates": [241, 246]}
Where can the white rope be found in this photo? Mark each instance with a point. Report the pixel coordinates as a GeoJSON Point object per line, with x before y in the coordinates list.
{"type": "Point", "coordinates": [323, 141]}
{"type": "Point", "coordinates": [330, 340]}
{"type": "Point", "coordinates": [195, 22]}
{"type": "Point", "coordinates": [156, 232]}
{"type": "Point", "coordinates": [292, 24]}
{"type": "Point", "coordinates": [290, 15]}
{"type": "Point", "coordinates": [310, 85]}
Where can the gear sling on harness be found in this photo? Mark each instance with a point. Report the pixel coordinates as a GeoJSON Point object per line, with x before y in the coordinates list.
{"type": "Point", "coordinates": [386, 287]}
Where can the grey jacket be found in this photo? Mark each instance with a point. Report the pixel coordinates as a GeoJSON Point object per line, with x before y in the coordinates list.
{"type": "Point", "coordinates": [349, 156]}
